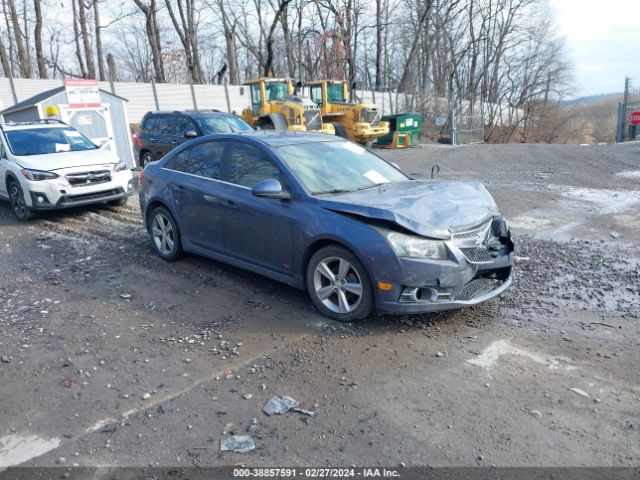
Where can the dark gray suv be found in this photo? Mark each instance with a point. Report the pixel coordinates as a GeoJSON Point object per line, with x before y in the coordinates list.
{"type": "Point", "coordinates": [161, 132]}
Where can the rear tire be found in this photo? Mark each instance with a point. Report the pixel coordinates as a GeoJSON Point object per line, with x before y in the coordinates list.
{"type": "Point", "coordinates": [18, 204]}
{"type": "Point", "coordinates": [145, 159]}
{"type": "Point", "coordinates": [165, 235]}
{"type": "Point", "coordinates": [339, 285]}
{"type": "Point", "coordinates": [340, 130]}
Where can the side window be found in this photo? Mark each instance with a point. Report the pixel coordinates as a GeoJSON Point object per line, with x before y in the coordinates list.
{"type": "Point", "coordinates": [2, 150]}
{"type": "Point", "coordinates": [248, 166]}
{"type": "Point", "coordinates": [150, 124]}
{"type": "Point", "coordinates": [166, 125]}
{"type": "Point", "coordinates": [184, 124]}
{"type": "Point", "coordinates": [316, 94]}
{"type": "Point", "coordinates": [203, 160]}
{"type": "Point", "coordinates": [256, 102]}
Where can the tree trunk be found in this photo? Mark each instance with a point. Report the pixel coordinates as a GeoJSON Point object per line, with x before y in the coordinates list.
{"type": "Point", "coordinates": [378, 66]}
{"type": "Point", "coordinates": [23, 56]}
{"type": "Point", "coordinates": [96, 19]}
{"type": "Point", "coordinates": [111, 66]}
{"type": "Point", "coordinates": [42, 68]}
{"type": "Point", "coordinates": [4, 60]}
{"type": "Point", "coordinates": [76, 37]}
{"type": "Point", "coordinates": [88, 53]}
{"type": "Point", "coordinates": [153, 37]}
{"type": "Point", "coordinates": [268, 64]}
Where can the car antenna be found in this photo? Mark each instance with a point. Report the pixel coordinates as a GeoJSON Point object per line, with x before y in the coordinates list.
{"type": "Point", "coordinates": [435, 170]}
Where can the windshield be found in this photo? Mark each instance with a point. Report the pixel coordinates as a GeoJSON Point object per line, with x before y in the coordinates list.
{"type": "Point", "coordinates": [337, 166]}
{"type": "Point", "coordinates": [40, 141]}
{"type": "Point", "coordinates": [276, 90]}
{"type": "Point", "coordinates": [222, 124]}
{"type": "Point", "coordinates": [335, 92]}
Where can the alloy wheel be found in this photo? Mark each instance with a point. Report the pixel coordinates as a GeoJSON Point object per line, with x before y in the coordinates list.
{"type": "Point", "coordinates": [17, 201]}
{"type": "Point", "coordinates": [338, 285]}
{"type": "Point", "coordinates": [163, 234]}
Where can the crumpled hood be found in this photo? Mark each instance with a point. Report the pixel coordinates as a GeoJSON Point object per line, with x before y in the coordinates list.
{"type": "Point", "coordinates": [60, 160]}
{"type": "Point", "coordinates": [429, 208]}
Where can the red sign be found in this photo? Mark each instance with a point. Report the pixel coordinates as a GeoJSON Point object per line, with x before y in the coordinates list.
{"type": "Point", "coordinates": [634, 118]}
{"type": "Point", "coordinates": [82, 92]}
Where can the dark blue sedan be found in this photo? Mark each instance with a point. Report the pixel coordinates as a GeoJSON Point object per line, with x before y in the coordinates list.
{"type": "Point", "coordinates": [326, 215]}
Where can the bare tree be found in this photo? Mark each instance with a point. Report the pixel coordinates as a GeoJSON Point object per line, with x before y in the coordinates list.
{"type": "Point", "coordinates": [23, 54]}
{"type": "Point", "coordinates": [153, 37]}
{"type": "Point", "coordinates": [37, 34]}
{"type": "Point", "coordinates": [187, 30]}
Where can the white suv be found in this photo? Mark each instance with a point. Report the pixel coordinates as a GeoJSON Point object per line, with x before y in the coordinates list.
{"type": "Point", "coordinates": [47, 165]}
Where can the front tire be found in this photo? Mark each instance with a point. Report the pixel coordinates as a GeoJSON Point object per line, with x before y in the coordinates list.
{"type": "Point", "coordinates": [165, 235]}
{"type": "Point", "coordinates": [339, 285]}
{"type": "Point", "coordinates": [18, 204]}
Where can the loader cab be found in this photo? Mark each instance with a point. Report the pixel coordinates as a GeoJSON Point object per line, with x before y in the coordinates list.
{"type": "Point", "coordinates": [337, 92]}
{"type": "Point", "coordinates": [324, 92]}
{"type": "Point", "coordinates": [265, 90]}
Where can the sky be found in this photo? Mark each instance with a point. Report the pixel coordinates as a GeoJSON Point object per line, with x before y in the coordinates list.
{"type": "Point", "coordinates": [603, 39]}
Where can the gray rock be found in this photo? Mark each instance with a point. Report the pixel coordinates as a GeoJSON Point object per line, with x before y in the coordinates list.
{"type": "Point", "coordinates": [237, 443]}
{"type": "Point", "coordinates": [582, 393]}
{"type": "Point", "coordinates": [279, 405]}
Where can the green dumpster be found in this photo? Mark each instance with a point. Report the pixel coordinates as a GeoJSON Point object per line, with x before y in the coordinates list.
{"type": "Point", "coordinates": [404, 130]}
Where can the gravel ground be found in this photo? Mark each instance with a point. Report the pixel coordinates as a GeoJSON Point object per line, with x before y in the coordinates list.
{"type": "Point", "coordinates": [110, 356]}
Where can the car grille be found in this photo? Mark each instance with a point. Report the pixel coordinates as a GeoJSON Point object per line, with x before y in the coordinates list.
{"type": "Point", "coordinates": [70, 199]}
{"type": "Point", "coordinates": [88, 178]}
{"type": "Point", "coordinates": [479, 254]}
{"type": "Point", "coordinates": [480, 232]}
{"type": "Point", "coordinates": [312, 119]}
{"type": "Point", "coordinates": [371, 116]}
{"type": "Point", "coordinates": [477, 287]}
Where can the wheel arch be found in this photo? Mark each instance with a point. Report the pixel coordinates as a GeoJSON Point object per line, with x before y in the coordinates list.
{"type": "Point", "coordinates": [152, 205]}
{"type": "Point", "coordinates": [320, 243]}
{"type": "Point", "coordinates": [10, 177]}
{"type": "Point", "coordinates": [277, 119]}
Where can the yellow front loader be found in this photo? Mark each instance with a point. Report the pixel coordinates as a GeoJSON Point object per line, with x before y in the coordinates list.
{"type": "Point", "coordinates": [359, 122]}
{"type": "Point", "coordinates": [275, 107]}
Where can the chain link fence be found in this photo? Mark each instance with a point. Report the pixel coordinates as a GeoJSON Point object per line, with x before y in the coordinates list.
{"type": "Point", "coordinates": [628, 129]}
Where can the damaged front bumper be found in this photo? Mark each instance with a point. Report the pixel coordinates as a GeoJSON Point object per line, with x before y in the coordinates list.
{"type": "Point", "coordinates": [479, 267]}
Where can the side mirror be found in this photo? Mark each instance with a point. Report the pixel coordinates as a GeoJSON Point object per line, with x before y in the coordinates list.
{"type": "Point", "coordinates": [190, 134]}
{"type": "Point", "coordinates": [270, 188]}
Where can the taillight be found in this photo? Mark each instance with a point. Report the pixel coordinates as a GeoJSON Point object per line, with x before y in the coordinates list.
{"type": "Point", "coordinates": [140, 176]}
{"type": "Point", "coordinates": [137, 140]}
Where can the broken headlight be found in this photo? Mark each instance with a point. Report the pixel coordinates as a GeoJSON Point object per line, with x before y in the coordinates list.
{"type": "Point", "coordinates": [413, 246]}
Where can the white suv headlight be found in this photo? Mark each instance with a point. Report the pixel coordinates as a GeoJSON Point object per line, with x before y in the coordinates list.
{"type": "Point", "coordinates": [413, 246]}
{"type": "Point", "coordinates": [38, 175]}
{"type": "Point", "coordinates": [121, 165]}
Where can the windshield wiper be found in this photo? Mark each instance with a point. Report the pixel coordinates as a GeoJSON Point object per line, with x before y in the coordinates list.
{"type": "Point", "coordinates": [336, 190]}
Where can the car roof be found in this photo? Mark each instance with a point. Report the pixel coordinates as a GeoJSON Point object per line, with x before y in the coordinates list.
{"type": "Point", "coordinates": [9, 126]}
{"type": "Point", "coordinates": [191, 113]}
{"type": "Point", "coordinates": [274, 139]}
